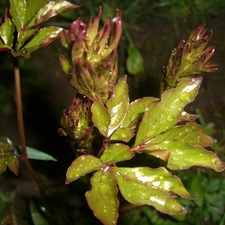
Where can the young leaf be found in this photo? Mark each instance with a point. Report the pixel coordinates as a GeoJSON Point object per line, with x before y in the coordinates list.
{"type": "Point", "coordinates": [81, 166]}
{"type": "Point", "coordinates": [160, 116]}
{"type": "Point", "coordinates": [102, 198]}
{"type": "Point", "coordinates": [116, 153]}
{"type": "Point", "coordinates": [184, 156]}
{"type": "Point", "coordinates": [122, 134]}
{"type": "Point", "coordinates": [7, 158]}
{"type": "Point", "coordinates": [136, 110]}
{"type": "Point", "coordinates": [65, 64]}
{"type": "Point", "coordinates": [117, 105]}
{"type": "Point", "coordinates": [100, 117]}
{"type": "Point", "coordinates": [141, 186]}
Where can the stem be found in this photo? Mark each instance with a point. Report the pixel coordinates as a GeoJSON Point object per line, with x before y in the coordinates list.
{"type": "Point", "coordinates": [19, 109]}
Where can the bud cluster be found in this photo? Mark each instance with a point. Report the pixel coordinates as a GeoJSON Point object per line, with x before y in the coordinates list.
{"type": "Point", "coordinates": [92, 67]}
{"type": "Point", "coordinates": [190, 58]}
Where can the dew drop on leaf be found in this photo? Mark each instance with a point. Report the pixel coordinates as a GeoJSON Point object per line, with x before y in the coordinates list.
{"type": "Point", "coordinates": [185, 97]}
{"type": "Point", "coordinates": [170, 118]}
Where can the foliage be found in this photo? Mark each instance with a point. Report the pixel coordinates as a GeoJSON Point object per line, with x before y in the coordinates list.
{"type": "Point", "coordinates": [104, 127]}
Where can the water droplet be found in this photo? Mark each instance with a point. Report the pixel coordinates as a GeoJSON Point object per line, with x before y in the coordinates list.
{"type": "Point", "coordinates": [171, 204]}
{"type": "Point", "coordinates": [170, 118]}
{"type": "Point", "coordinates": [185, 97]}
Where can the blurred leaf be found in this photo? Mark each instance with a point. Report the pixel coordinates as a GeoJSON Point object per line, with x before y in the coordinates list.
{"type": "Point", "coordinates": [116, 153]}
{"type": "Point", "coordinates": [107, 11]}
{"type": "Point", "coordinates": [6, 219]}
{"type": "Point", "coordinates": [197, 190]}
{"type": "Point", "coordinates": [117, 105]}
{"type": "Point", "coordinates": [102, 198]}
{"type": "Point", "coordinates": [160, 116]}
{"type": "Point", "coordinates": [36, 216]}
{"type": "Point", "coordinates": [135, 62]}
{"type": "Point", "coordinates": [100, 117]}
{"type": "Point", "coordinates": [33, 153]}
{"type": "Point", "coordinates": [144, 186]}
{"type": "Point", "coordinates": [81, 166]}
{"type": "Point", "coordinates": [136, 110]}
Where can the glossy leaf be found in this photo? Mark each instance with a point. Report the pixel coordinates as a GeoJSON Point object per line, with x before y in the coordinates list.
{"type": "Point", "coordinates": [160, 116]}
{"type": "Point", "coordinates": [100, 117]}
{"type": "Point", "coordinates": [122, 134]}
{"type": "Point", "coordinates": [116, 153]}
{"type": "Point", "coordinates": [24, 37]}
{"type": "Point", "coordinates": [18, 10]}
{"type": "Point", "coordinates": [7, 158]}
{"type": "Point", "coordinates": [142, 186]}
{"type": "Point", "coordinates": [159, 178]}
{"type": "Point", "coordinates": [6, 33]}
{"type": "Point", "coordinates": [184, 156]}
{"type": "Point", "coordinates": [136, 110]}
{"type": "Point", "coordinates": [117, 105]}
{"type": "Point", "coordinates": [102, 198]}
{"type": "Point", "coordinates": [51, 9]}
{"type": "Point", "coordinates": [191, 133]}
{"type": "Point", "coordinates": [81, 166]}
{"type": "Point", "coordinates": [135, 62]}
{"type": "Point", "coordinates": [44, 37]}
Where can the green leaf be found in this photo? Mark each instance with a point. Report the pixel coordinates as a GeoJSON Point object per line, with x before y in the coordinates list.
{"type": "Point", "coordinates": [102, 198]}
{"type": "Point", "coordinates": [100, 117]}
{"type": "Point", "coordinates": [36, 216]}
{"type": "Point", "coordinates": [135, 62]}
{"type": "Point", "coordinates": [24, 37]}
{"type": "Point", "coordinates": [53, 8]}
{"type": "Point", "coordinates": [7, 158]}
{"type": "Point", "coordinates": [191, 133]}
{"type": "Point", "coordinates": [143, 186]}
{"type": "Point", "coordinates": [117, 105]}
{"type": "Point", "coordinates": [116, 153]}
{"type": "Point", "coordinates": [81, 166]}
{"type": "Point", "coordinates": [65, 64]}
{"type": "Point", "coordinates": [184, 156]}
{"type": "Point", "coordinates": [44, 37]}
{"type": "Point", "coordinates": [122, 134]}
{"type": "Point", "coordinates": [17, 11]}
{"type": "Point", "coordinates": [6, 32]}
{"type": "Point", "coordinates": [136, 110]}
{"type": "Point", "coordinates": [160, 116]}
{"type": "Point", "coordinates": [33, 153]}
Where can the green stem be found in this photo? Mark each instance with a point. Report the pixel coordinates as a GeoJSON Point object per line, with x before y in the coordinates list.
{"type": "Point", "coordinates": [20, 122]}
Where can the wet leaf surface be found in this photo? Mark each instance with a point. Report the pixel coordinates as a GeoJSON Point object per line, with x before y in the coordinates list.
{"type": "Point", "coordinates": [81, 166]}
{"type": "Point", "coordinates": [102, 198]}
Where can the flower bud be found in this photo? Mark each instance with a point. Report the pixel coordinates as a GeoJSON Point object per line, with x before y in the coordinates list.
{"type": "Point", "coordinates": [190, 58]}
{"type": "Point", "coordinates": [93, 58]}
{"type": "Point", "coordinates": [77, 123]}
